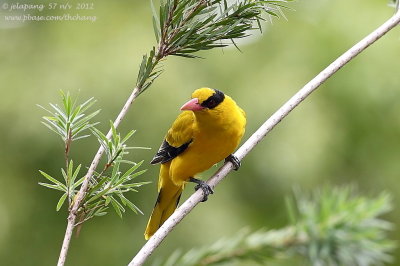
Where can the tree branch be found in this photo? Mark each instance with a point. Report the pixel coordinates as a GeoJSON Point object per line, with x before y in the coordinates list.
{"type": "Point", "coordinates": [303, 93]}
{"type": "Point", "coordinates": [81, 194]}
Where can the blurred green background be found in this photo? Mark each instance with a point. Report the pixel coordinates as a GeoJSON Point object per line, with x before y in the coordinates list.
{"type": "Point", "coordinates": [348, 132]}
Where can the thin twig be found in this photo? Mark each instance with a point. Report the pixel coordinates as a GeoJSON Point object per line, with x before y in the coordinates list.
{"type": "Point", "coordinates": [183, 22]}
{"type": "Point", "coordinates": [161, 52]}
{"type": "Point", "coordinates": [81, 194]}
{"type": "Point", "coordinates": [303, 93]}
{"type": "Point", "coordinates": [68, 142]}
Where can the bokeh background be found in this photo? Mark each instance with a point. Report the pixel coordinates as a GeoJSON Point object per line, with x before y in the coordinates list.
{"type": "Point", "coordinates": [348, 132]}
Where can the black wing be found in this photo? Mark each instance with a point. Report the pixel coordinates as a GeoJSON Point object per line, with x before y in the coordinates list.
{"type": "Point", "coordinates": [167, 152]}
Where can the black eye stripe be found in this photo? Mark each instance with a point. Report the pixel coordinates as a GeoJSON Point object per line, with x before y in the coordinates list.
{"type": "Point", "coordinates": [214, 100]}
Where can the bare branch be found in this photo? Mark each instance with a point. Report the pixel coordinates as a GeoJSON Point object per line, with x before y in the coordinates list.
{"type": "Point", "coordinates": [303, 93]}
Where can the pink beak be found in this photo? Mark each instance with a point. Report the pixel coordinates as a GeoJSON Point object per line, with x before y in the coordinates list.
{"type": "Point", "coordinates": [192, 105]}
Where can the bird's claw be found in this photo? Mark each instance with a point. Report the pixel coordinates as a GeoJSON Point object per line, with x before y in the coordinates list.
{"type": "Point", "coordinates": [207, 190]}
{"type": "Point", "coordinates": [234, 160]}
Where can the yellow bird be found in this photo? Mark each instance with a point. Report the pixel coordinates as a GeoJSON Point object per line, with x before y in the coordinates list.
{"type": "Point", "coordinates": [208, 130]}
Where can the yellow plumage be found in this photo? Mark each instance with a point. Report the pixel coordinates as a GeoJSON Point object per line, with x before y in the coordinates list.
{"type": "Point", "coordinates": [207, 132]}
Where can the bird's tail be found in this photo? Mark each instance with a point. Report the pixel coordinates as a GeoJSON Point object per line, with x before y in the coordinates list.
{"type": "Point", "coordinates": [167, 201]}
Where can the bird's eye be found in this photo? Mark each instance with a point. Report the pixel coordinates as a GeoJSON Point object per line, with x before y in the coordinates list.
{"type": "Point", "coordinates": [213, 100]}
{"type": "Point", "coordinates": [210, 103]}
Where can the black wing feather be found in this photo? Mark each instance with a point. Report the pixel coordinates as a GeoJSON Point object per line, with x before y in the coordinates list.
{"type": "Point", "coordinates": [167, 152]}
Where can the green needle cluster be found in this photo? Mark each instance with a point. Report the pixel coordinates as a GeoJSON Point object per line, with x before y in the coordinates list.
{"type": "Point", "coordinates": [107, 188]}
{"type": "Point", "coordinates": [332, 226]}
{"type": "Point", "coordinates": [185, 27]}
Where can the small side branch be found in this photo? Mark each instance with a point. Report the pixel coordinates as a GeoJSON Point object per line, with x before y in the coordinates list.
{"type": "Point", "coordinates": [303, 93]}
{"type": "Point", "coordinates": [81, 194]}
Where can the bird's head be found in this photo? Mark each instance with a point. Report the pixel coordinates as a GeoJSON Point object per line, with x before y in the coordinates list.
{"type": "Point", "coordinates": [204, 98]}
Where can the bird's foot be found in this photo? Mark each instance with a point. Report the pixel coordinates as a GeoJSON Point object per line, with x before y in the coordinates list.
{"type": "Point", "coordinates": [234, 160]}
{"type": "Point", "coordinates": [207, 190]}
